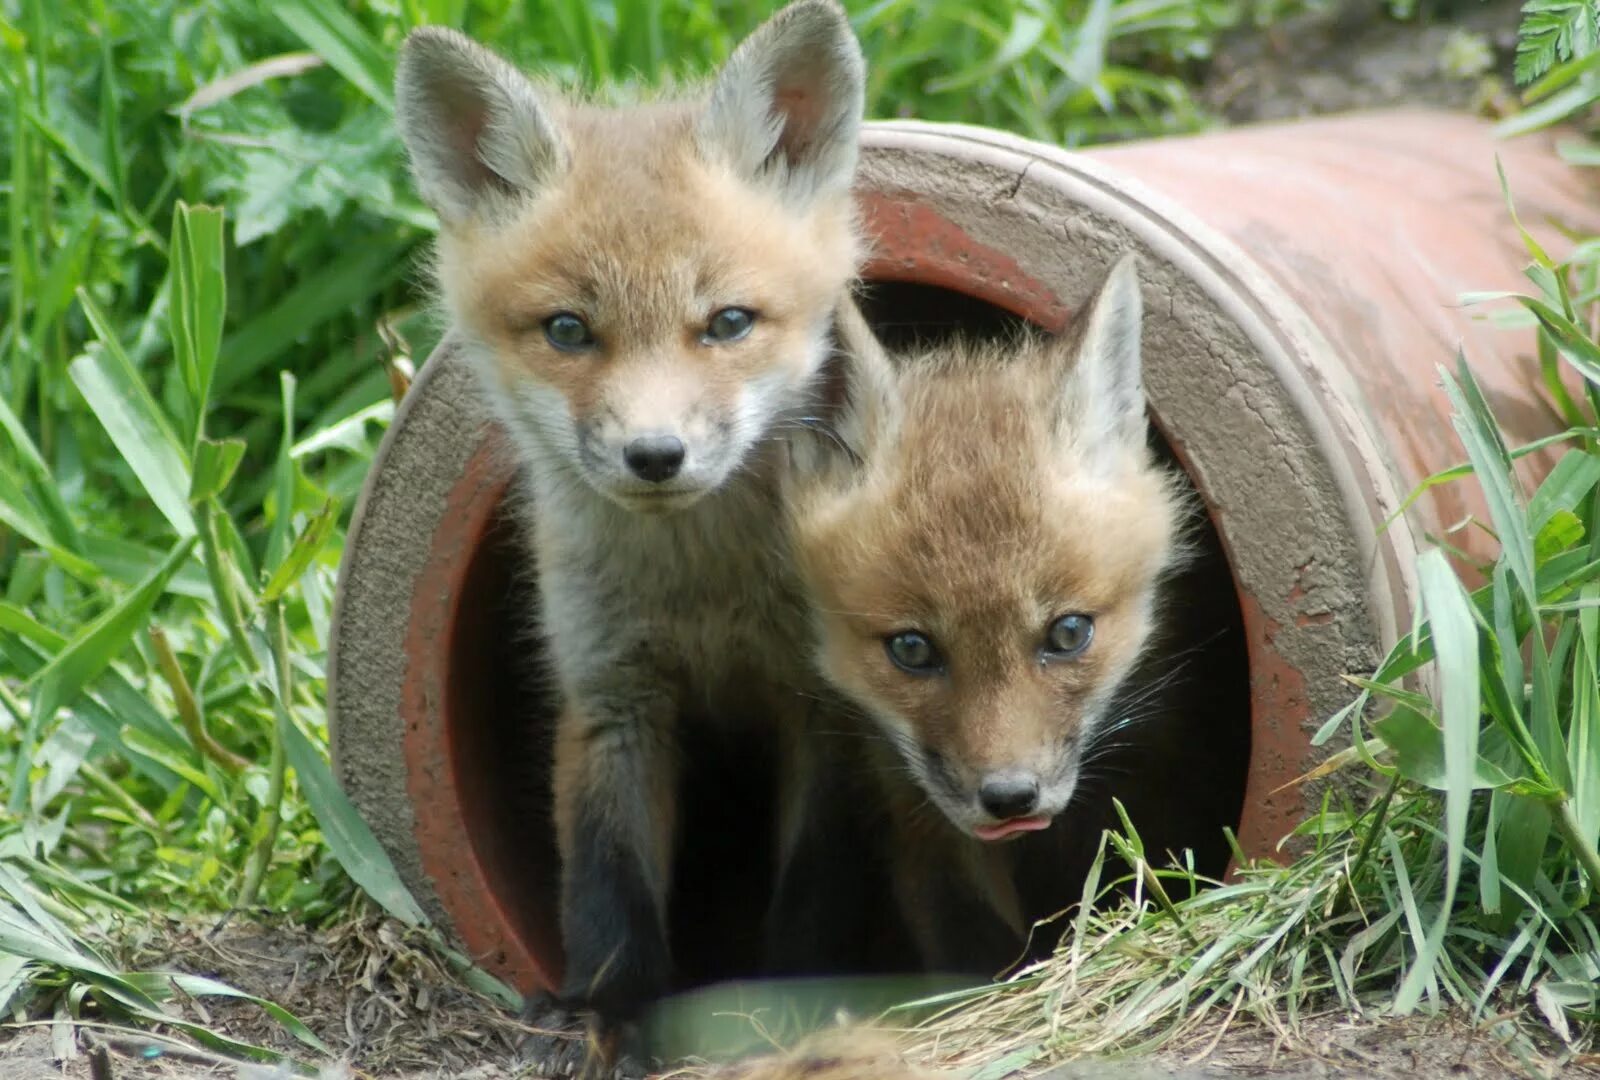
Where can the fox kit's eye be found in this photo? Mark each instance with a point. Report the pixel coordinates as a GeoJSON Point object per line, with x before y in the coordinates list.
{"type": "Point", "coordinates": [1068, 636]}
{"type": "Point", "coordinates": [913, 652]}
{"type": "Point", "coordinates": [729, 324]}
{"type": "Point", "coordinates": [568, 332]}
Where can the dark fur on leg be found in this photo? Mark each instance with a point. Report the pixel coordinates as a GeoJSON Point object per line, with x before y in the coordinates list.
{"type": "Point", "coordinates": [615, 790]}
{"type": "Point", "coordinates": [570, 1044]}
{"type": "Point", "coordinates": [613, 928]}
{"type": "Point", "coordinates": [558, 1048]}
{"type": "Point", "coordinates": [832, 873]}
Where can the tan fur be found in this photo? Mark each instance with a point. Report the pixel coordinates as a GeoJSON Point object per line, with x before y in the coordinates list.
{"type": "Point", "coordinates": [646, 253]}
{"type": "Point", "coordinates": [664, 597]}
{"type": "Point", "coordinates": [991, 489]}
{"type": "Point", "coordinates": [973, 528]}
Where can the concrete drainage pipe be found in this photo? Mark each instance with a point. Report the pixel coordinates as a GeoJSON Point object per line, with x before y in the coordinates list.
{"type": "Point", "coordinates": [1301, 284]}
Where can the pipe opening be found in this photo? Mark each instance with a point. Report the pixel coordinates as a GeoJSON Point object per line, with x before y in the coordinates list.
{"type": "Point", "coordinates": [1182, 783]}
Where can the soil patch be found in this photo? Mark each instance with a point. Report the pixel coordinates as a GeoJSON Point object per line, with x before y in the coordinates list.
{"type": "Point", "coordinates": [389, 1009]}
{"type": "Point", "coordinates": [1356, 55]}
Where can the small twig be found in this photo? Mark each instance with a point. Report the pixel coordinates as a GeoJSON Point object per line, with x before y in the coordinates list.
{"type": "Point", "coordinates": [401, 373]}
{"type": "Point", "coordinates": [189, 715]}
{"type": "Point", "coordinates": [272, 816]}
{"type": "Point", "coordinates": [398, 364]}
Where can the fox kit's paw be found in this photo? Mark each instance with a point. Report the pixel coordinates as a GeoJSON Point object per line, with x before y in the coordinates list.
{"type": "Point", "coordinates": [558, 1044]}
{"type": "Point", "coordinates": [565, 1044]}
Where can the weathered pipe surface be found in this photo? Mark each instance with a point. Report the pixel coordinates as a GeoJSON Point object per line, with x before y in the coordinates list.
{"type": "Point", "coordinates": [1300, 286]}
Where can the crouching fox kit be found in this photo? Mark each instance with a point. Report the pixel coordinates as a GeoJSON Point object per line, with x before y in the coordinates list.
{"type": "Point", "coordinates": [647, 294]}
{"type": "Point", "coordinates": [984, 537]}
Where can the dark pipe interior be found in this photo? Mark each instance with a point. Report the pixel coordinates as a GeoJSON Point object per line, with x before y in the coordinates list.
{"type": "Point", "coordinates": [1182, 780]}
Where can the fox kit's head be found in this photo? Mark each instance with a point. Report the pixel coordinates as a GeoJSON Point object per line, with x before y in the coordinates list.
{"type": "Point", "coordinates": [648, 288]}
{"type": "Point", "coordinates": [982, 536]}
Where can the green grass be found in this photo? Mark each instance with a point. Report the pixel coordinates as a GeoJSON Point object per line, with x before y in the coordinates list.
{"type": "Point", "coordinates": [207, 271]}
{"type": "Point", "coordinates": [1466, 876]}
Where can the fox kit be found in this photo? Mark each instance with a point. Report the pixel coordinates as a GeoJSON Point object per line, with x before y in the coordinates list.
{"type": "Point", "coordinates": [984, 537]}
{"type": "Point", "coordinates": [647, 294]}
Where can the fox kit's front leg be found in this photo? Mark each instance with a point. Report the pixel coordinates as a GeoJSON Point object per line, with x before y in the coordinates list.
{"type": "Point", "coordinates": [830, 863]}
{"type": "Point", "coordinates": [615, 778]}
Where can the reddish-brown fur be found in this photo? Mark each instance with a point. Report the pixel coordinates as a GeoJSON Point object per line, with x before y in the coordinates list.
{"type": "Point", "coordinates": [986, 490]}
{"type": "Point", "coordinates": [646, 434]}
{"type": "Point", "coordinates": [645, 253]}
{"type": "Point", "coordinates": [974, 528]}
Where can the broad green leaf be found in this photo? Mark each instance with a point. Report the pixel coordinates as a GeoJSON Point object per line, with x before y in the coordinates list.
{"type": "Point", "coordinates": [214, 465]}
{"type": "Point", "coordinates": [1583, 735]}
{"type": "Point", "coordinates": [198, 303]}
{"type": "Point", "coordinates": [1564, 572]}
{"type": "Point", "coordinates": [185, 762]}
{"type": "Point", "coordinates": [1561, 530]}
{"type": "Point", "coordinates": [348, 836]}
{"type": "Point", "coordinates": [334, 35]}
{"type": "Point", "coordinates": [14, 976]}
{"type": "Point", "coordinates": [1418, 745]}
{"type": "Point", "coordinates": [1455, 637]}
{"type": "Point", "coordinates": [37, 475]}
{"type": "Point", "coordinates": [1573, 477]}
{"type": "Point", "coordinates": [123, 404]}
{"type": "Point", "coordinates": [16, 512]}
{"type": "Point", "coordinates": [1480, 434]}
{"type": "Point", "coordinates": [89, 653]}
{"type": "Point", "coordinates": [1090, 39]}
{"type": "Point", "coordinates": [54, 295]}
{"type": "Point", "coordinates": [306, 547]}
{"type": "Point", "coordinates": [1577, 348]}
{"type": "Point", "coordinates": [332, 291]}
{"type": "Point", "coordinates": [93, 648]}
{"type": "Point", "coordinates": [349, 433]}
{"type": "Point", "coordinates": [1525, 826]}
{"type": "Point", "coordinates": [1024, 34]}
{"type": "Point", "coordinates": [126, 562]}
{"type": "Point", "coordinates": [1550, 111]}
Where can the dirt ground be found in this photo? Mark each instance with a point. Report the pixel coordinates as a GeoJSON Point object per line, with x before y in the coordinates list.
{"type": "Point", "coordinates": [390, 1011]}
{"type": "Point", "coordinates": [1353, 56]}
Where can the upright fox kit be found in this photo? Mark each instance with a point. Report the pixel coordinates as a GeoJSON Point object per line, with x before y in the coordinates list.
{"type": "Point", "coordinates": [647, 293]}
{"type": "Point", "coordinates": [983, 538]}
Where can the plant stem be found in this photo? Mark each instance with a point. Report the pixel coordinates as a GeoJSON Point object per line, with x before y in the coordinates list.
{"type": "Point", "coordinates": [194, 724]}
{"type": "Point", "coordinates": [13, 706]}
{"type": "Point", "coordinates": [227, 598]}
{"type": "Point", "coordinates": [272, 817]}
{"type": "Point", "coordinates": [1380, 813]}
{"type": "Point", "coordinates": [1588, 857]}
{"type": "Point", "coordinates": [113, 791]}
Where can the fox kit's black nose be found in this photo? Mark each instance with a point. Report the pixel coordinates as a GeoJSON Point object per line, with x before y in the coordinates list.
{"type": "Point", "coordinates": [654, 457]}
{"type": "Point", "coordinates": [1009, 794]}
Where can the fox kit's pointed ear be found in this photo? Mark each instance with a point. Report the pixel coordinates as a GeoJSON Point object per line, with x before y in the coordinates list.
{"type": "Point", "coordinates": [1103, 405]}
{"type": "Point", "coordinates": [787, 105]}
{"type": "Point", "coordinates": [860, 404]}
{"type": "Point", "coordinates": [474, 125]}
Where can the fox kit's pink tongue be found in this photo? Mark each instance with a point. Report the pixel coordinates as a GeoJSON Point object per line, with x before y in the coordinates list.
{"type": "Point", "coordinates": [1011, 828]}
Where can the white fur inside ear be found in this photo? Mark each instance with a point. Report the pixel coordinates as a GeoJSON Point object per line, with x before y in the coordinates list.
{"type": "Point", "coordinates": [1104, 405]}
{"type": "Point", "coordinates": [475, 127]}
{"type": "Point", "coordinates": [787, 105]}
